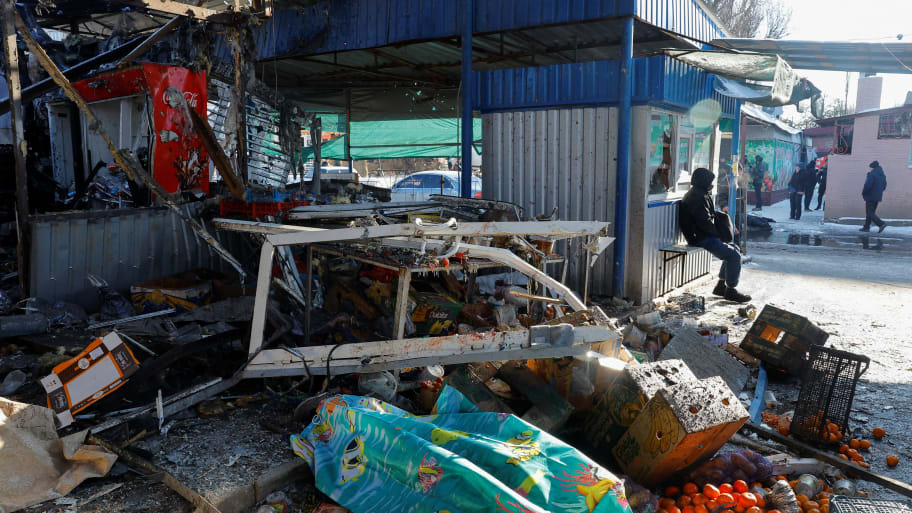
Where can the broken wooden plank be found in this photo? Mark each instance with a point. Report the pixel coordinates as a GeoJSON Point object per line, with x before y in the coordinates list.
{"type": "Point", "coordinates": [217, 154]}
{"type": "Point", "coordinates": [850, 469]}
{"type": "Point", "coordinates": [741, 354]}
{"type": "Point", "coordinates": [549, 410]}
{"type": "Point", "coordinates": [147, 43]}
{"type": "Point", "coordinates": [131, 459]}
{"type": "Point", "coordinates": [11, 56]}
{"type": "Point", "coordinates": [126, 162]}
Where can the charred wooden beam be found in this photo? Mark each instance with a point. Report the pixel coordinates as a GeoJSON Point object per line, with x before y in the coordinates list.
{"type": "Point", "coordinates": [11, 56]}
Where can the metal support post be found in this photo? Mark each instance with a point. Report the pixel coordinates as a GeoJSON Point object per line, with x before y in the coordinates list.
{"type": "Point", "coordinates": [348, 115]}
{"type": "Point", "coordinates": [316, 137]}
{"type": "Point", "coordinates": [11, 54]}
{"type": "Point", "coordinates": [623, 159]}
{"type": "Point", "coordinates": [468, 17]}
{"type": "Point", "coordinates": [736, 165]}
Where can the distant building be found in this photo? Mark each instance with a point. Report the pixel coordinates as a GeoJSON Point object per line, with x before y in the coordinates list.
{"type": "Point", "coordinates": [870, 134]}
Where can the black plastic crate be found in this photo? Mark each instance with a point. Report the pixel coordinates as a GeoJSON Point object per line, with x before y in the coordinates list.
{"type": "Point", "coordinates": [827, 390]}
{"type": "Point", "coordinates": [842, 504]}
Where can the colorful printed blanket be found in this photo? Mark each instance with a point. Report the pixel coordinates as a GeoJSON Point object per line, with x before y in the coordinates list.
{"type": "Point", "coordinates": [370, 456]}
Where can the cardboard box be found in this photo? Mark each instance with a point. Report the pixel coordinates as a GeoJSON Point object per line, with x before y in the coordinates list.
{"type": "Point", "coordinates": [435, 314]}
{"type": "Point", "coordinates": [102, 367]}
{"type": "Point", "coordinates": [620, 403]}
{"type": "Point", "coordinates": [782, 339]}
{"type": "Point", "coordinates": [681, 425]}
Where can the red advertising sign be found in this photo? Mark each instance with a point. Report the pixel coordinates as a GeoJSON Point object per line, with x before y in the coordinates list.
{"type": "Point", "coordinates": [179, 162]}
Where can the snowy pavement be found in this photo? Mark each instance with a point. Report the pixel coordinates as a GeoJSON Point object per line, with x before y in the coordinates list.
{"type": "Point", "coordinates": [859, 291]}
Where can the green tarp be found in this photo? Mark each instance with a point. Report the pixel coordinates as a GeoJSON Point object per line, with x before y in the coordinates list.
{"type": "Point", "coordinates": [370, 456]}
{"type": "Point", "coordinates": [427, 138]}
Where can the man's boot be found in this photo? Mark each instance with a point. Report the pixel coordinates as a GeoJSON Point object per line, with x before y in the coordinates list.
{"type": "Point", "coordinates": [719, 289]}
{"type": "Point", "coordinates": [733, 295]}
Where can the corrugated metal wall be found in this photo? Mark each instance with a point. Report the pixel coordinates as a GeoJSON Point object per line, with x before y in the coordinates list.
{"type": "Point", "coordinates": [656, 80]}
{"type": "Point", "coordinates": [566, 84]}
{"type": "Point", "coordinates": [337, 25]}
{"type": "Point", "coordinates": [661, 229]}
{"type": "Point", "coordinates": [682, 16]}
{"type": "Point", "coordinates": [121, 246]}
{"type": "Point", "coordinates": [562, 158]}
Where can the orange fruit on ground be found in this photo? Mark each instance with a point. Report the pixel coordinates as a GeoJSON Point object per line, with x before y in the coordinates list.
{"type": "Point", "coordinates": [687, 509]}
{"type": "Point", "coordinates": [784, 430]}
{"type": "Point", "coordinates": [793, 483]}
{"type": "Point", "coordinates": [710, 491]}
{"type": "Point", "coordinates": [802, 498]}
{"type": "Point", "coordinates": [674, 509]}
{"type": "Point", "coordinates": [761, 501]}
{"type": "Point", "coordinates": [812, 510]}
{"type": "Point", "coordinates": [834, 437]}
{"type": "Point", "coordinates": [726, 488]}
{"type": "Point", "coordinates": [739, 509]}
{"type": "Point", "coordinates": [843, 456]}
{"type": "Point", "coordinates": [712, 505]}
{"type": "Point", "coordinates": [773, 511]}
{"type": "Point", "coordinates": [852, 453]}
{"type": "Point", "coordinates": [684, 500]}
{"type": "Point", "coordinates": [854, 443]}
{"type": "Point", "coordinates": [691, 488]}
{"type": "Point", "coordinates": [747, 500]}
{"type": "Point", "coordinates": [810, 505]}
{"type": "Point", "coordinates": [879, 433]}
{"type": "Point", "coordinates": [824, 508]}
{"type": "Point", "coordinates": [698, 499]}
{"type": "Point", "coordinates": [665, 502]}
{"type": "Point", "coordinates": [700, 509]}
{"type": "Point", "coordinates": [672, 491]}
{"type": "Point", "coordinates": [740, 486]}
{"type": "Point", "coordinates": [865, 444]}
{"type": "Point", "coordinates": [754, 509]}
{"type": "Point", "coordinates": [728, 511]}
{"type": "Point", "coordinates": [863, 464]}
{"type": "Point", "coordinates": [726, 499]}
{"type": "Point", "coordinates": [843, 449]}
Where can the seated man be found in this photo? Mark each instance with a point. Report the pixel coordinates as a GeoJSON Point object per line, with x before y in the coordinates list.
{"type": "Point", "coordinates": [696, 216]}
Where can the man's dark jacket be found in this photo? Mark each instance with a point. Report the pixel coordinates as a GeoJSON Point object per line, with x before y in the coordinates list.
{"type": "Point", "coordinates": [696, 211]}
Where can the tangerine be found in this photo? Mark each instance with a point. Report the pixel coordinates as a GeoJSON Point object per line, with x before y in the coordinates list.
{"type": "Point", "coordinates": [843, 449]}
{"type": "Point", "coordinates": [726, 488]}
{"type": "Point", "coordinates": [740, 486]}
{"type": "Point", "coordinates": [672, 491]}
{"type": "Point", "coordinates": [854, 443]}
{"type": "Point", "coordinates": [691, 488]}
{"type": "Point", "coordinates": [865, 444]}
{"type": "Point", "coordinates": [711, 491]}
{"type": "Point", "coordinates": [748, 500]}
{"type": "Point", "coordinates": [879, 433]}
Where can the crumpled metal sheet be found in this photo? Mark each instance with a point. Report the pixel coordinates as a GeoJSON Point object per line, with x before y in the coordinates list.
{"type": "Point", "coordinates": [36, 465]}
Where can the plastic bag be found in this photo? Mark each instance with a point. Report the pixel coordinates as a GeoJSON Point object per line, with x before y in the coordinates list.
{"type": "Point", "coordinates": [746, 465]}
{"type": "Point", "coordinates": [782, 497]}
{"type": "Point", "coordinates": [113, 304]}
{"type": "Point", "coordinates": [58, 314]}
{"type": "Point", "coordinates": [640, 499]}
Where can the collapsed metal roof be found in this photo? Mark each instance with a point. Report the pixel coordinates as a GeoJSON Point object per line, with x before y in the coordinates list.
{"type": "Point", "coordinates": [865, 57]}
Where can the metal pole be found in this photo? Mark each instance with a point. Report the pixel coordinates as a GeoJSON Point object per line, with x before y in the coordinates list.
{"type": "Point", "coordinates": [11, 54]}
{"type": "Point", "coordinates": [316, 137]}
{"type": "Point", "coordinates": [348, 115]}
{"type": "Point", "coordinates": [468, 16]}
{"type": "Point", "coordinates": [742, 124]}
{"type": "Point", "coordinates": [623, 159]}
{"type": "Point", "coordinates": [736, 164]}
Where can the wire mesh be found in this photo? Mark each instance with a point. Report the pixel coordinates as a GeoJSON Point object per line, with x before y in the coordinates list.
{"type": "Point", "coordinates": [842, 504]}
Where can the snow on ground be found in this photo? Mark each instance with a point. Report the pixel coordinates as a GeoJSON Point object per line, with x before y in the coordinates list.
{"type": "Point", "coordinates": [857, 289]}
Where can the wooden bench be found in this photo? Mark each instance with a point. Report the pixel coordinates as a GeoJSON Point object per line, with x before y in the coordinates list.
{"type": "Point", "coordinates": [674, 252]}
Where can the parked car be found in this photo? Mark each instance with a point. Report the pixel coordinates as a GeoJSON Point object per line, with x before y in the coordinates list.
{"type": "Point", "coordinates": [420, 186]}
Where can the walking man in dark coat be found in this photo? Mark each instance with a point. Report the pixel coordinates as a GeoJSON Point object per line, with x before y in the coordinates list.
{"type": "Point", "coordinates": [697, 218]}
{"type": "Point", "coordinates": [872, 193]}
{"type": "Point", "coordinates": [821, 188]}
{"type": "Point", "coordinates": [810, 181]}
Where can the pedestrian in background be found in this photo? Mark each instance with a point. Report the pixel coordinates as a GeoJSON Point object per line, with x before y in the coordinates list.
{"type": "Point", "coordinates": [821, 181]}
{"type": "Point", "coordinates": [872, 193]}
{"type": "Point", "coordinates": [757, 171]}
{"type": "Point", "coordinates": [810, 181]}
{"type": "Point", "coordinates": [796, 191]}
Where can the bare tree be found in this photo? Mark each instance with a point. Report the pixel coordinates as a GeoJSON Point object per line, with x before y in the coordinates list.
{"type": "Point", "coordinates": [749, 18]}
